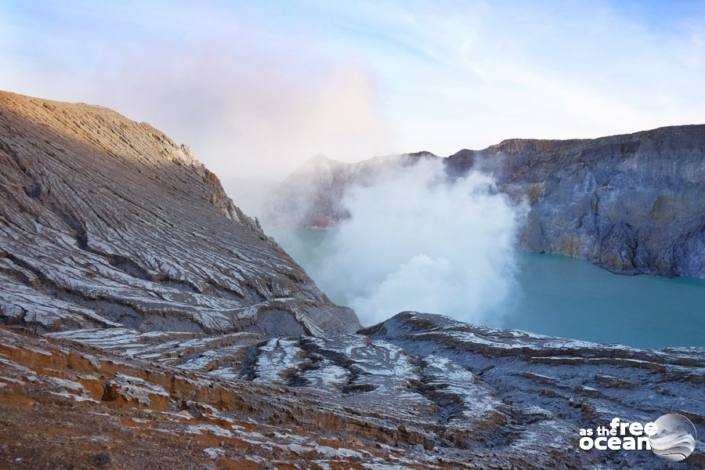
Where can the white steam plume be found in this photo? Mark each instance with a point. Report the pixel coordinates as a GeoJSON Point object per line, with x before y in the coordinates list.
{"type": "Point", "coordinates": [415, 241]}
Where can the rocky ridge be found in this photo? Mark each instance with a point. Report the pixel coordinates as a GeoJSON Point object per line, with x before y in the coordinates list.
{"type": "Point", "coordinates": [105, 222]}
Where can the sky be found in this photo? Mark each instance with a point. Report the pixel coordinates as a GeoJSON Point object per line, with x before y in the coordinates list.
{"type": "Point", "coordinates": [257, 88]}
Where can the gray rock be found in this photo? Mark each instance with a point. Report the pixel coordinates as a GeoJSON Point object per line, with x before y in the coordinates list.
{"type": "Point", "coordinates": [464, 393]}
{"type": "Point", "coordinates": [629, 203]}
{"type": "Point", "coordinates": [106, 222]}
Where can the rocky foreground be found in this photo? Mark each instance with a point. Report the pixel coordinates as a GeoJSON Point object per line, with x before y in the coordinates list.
{"type": "Point", "coordinates": [146, 322]}
{"type": "Point", "coordinates": [417, 391]}
{"type": "Point", "coordinates": [628, 203]}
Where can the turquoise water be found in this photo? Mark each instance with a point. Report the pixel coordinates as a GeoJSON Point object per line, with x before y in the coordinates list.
{"type": "Point", "coordinates": [565, 297]}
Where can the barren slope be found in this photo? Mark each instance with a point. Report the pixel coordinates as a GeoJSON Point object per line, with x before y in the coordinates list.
{"type": "Point", "coordinates": [106, 222]}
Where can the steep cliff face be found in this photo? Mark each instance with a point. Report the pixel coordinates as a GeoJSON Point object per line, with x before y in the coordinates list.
{"type": "Point", "coordinates": [106, 222]}
{"type": "Point", "coordinates": [629, 203]}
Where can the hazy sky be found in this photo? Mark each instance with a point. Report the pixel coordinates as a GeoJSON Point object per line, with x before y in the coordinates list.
{"type": "Point", "coordinates": [256, 88]}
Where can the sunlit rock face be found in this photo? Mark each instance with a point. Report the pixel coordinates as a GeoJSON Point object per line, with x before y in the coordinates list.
{"type": "Point", "coordinates": [629, 203]}
{"type": "Point", "coordinates": [107, 222]}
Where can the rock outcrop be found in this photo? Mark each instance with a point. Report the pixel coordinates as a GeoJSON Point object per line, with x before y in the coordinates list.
{"type": "Point", "coordinates": [417, 391]}
{"type": "Point", "coordinates": [629, 203]}
{"type": "Point", "coordinates": [106, 222]}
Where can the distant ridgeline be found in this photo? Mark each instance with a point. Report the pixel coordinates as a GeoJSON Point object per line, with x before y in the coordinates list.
{"type": "Point", "coordinates": [629, 203]}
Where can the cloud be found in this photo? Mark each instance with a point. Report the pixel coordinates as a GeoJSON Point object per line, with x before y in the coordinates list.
{"type": "Point", "coordinates": [414, 241]}
{"type": "Point", "coordinates": [258, 118]}
{"type": "Point", "coordinates": [257, 88]}
{"type": "Point", "coordinates": [250, 102]}
{"type": "Point", "coordinates": [469, 74]}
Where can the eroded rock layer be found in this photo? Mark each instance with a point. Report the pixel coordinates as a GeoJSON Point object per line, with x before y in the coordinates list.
{"type": "Point", "coordinates": [106, 222]}
{"type": "Point", "coordinates": [417, 391]}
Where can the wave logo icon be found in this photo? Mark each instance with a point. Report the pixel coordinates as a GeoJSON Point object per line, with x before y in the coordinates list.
{"type": "Point", "coordinates": [674, 439]}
